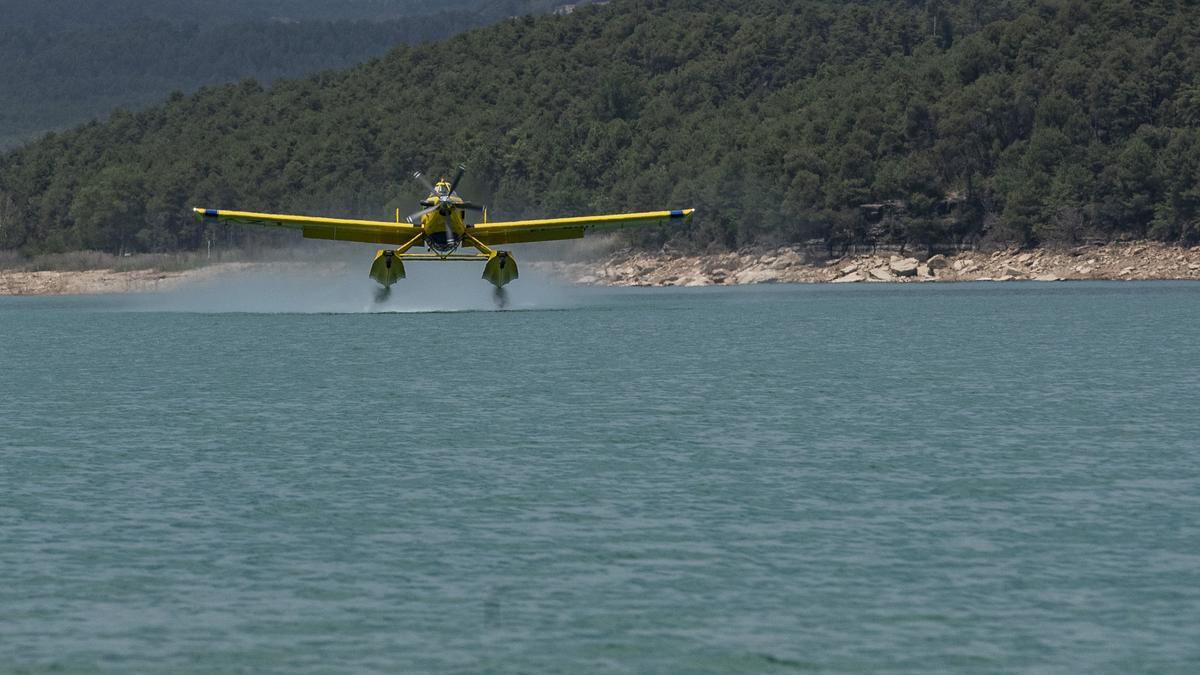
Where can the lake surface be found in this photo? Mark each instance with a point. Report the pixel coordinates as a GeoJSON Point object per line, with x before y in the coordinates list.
{"type": "Point", "coordinates": [970, 477]}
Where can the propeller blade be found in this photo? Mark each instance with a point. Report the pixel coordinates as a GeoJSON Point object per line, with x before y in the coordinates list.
{"type": "Point", "coordinates": [423, 180]}
{"type": "Point", "coordinates": [421, 214]}
{"type": "Point", "coordinates": [449, 229]}
{"type": "Point", "coordinates": [470, 206]}
{"type": "Point", "coordinates": [462, 168]}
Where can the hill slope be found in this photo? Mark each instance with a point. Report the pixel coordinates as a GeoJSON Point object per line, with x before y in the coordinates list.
{"type": "Point", "coordinates": [1024, 121]}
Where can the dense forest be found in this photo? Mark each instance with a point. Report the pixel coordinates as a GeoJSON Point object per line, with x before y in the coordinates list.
{"type": "Point", "coordinates": [65, 61]}
{"type": "Point", "coordinates": [937, 122]}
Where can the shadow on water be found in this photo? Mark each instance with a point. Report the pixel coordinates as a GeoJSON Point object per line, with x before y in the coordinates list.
{"type": "Point", "coordinates": [341, 290]}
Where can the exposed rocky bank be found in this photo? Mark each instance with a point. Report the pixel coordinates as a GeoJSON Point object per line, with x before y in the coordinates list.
{"type": "Point", "coordinates": [1117, 261]}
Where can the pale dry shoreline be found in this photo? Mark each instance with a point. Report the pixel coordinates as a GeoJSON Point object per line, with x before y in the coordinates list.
{"type": "Point", "coordinates": [95, 282]}
{"type": "Point", "coordinates": [1117, 261]}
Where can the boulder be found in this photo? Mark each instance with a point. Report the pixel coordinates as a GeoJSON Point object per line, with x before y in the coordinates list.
{"type": "Point", "coordinates": [693, 280]}
{"type": "Point", "coordinates": [853, 267]}
{"type": "Point", "coordinates": [882, 274]}
{"type": "Point", "coordinates": [788, 258]}
{"type": "Point", "coordinates": [757, 275]}
{"type": "Point", "coordinates": [1046, 277]}
{"type": "Point", "coordinates": [906, 267]}
{"type": "Point", "coordinates": [1009, 270]}
{"type": "Point", "coordinates": [924, 272]}
{"type": "Point", "coordinates": [853, 277]}
{"type": "Point", "coordinates": [937, 262]}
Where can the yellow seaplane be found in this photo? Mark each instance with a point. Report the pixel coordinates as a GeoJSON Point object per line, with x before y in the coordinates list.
{"type": "Point", "coordinates": [441, 228]}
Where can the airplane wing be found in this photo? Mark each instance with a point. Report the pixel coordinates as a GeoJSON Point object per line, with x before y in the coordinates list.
{"type": "Point", "coordinates": [315, 227]}
{"type": "Point", "coordinates": [523, 231]}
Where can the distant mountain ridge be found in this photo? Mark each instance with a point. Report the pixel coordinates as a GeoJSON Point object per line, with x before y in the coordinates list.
{"type": "Point", "coordinates": [55, 15]}
{"type": "Point", "coordinates": [66, 61]}
{"type": "Point", "coordinates": [1025, 121]}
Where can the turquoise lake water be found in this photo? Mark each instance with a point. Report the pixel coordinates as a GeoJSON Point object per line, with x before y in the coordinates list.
{"type": "Point", "coordinates": [966, 478]}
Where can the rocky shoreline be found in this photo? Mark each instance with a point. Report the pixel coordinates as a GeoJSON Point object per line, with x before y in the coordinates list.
{"type": "Point", "coordinates": [789, 265]}
{"type": "Point", "coordinates": [786, 265]}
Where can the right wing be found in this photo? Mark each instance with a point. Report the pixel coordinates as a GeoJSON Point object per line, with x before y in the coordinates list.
{"type": "Point", "coordinates": [316, 227]}
{"type": "Point", "coordinates": [552, 229]}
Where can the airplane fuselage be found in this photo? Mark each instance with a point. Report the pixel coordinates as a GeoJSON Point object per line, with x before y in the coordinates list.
{"type": "Point", "coordinates": [444, 225]}
{"type": "Point", "coordinates": [443, 233]}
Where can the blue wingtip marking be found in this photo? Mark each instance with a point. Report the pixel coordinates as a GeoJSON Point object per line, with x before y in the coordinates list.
{"type": "Point", "coordinates": [677, 214]}
{"type": "Point", "coordinates": [210, 212]}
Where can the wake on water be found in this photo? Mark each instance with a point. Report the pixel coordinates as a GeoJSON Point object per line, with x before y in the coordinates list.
{"type": "Point", "coordinates": [431, 287]}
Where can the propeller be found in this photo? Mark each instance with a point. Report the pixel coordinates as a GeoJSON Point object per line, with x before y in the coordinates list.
{"type": "Point", "coordinates": [449, 231]}
{"type": "Point", "coordinates": [414, 218]}
{"type": "Point", "coordinates": [441, 202]}
{"type": "Point", "coordinates": [423, 180]}
{"type": "Point", "coordinates": [462, 168]}
{"type": "Point", "coordinates": [420, 178]}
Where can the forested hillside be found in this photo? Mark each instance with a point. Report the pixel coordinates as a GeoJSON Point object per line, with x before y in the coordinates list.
{"type": "Point", "coordinates": [924, 122]}
{"type": "Point", "coordinates": [67, 61]}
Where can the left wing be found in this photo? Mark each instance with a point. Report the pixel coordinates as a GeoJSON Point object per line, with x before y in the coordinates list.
{"type": "Point", "coordinates": [523, 231]}
{"type": "Point", "coordinates": [316, 227]}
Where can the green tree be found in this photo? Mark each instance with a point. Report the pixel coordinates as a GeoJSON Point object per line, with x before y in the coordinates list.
{"type": "Point", "coordinates": [108, 209]}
